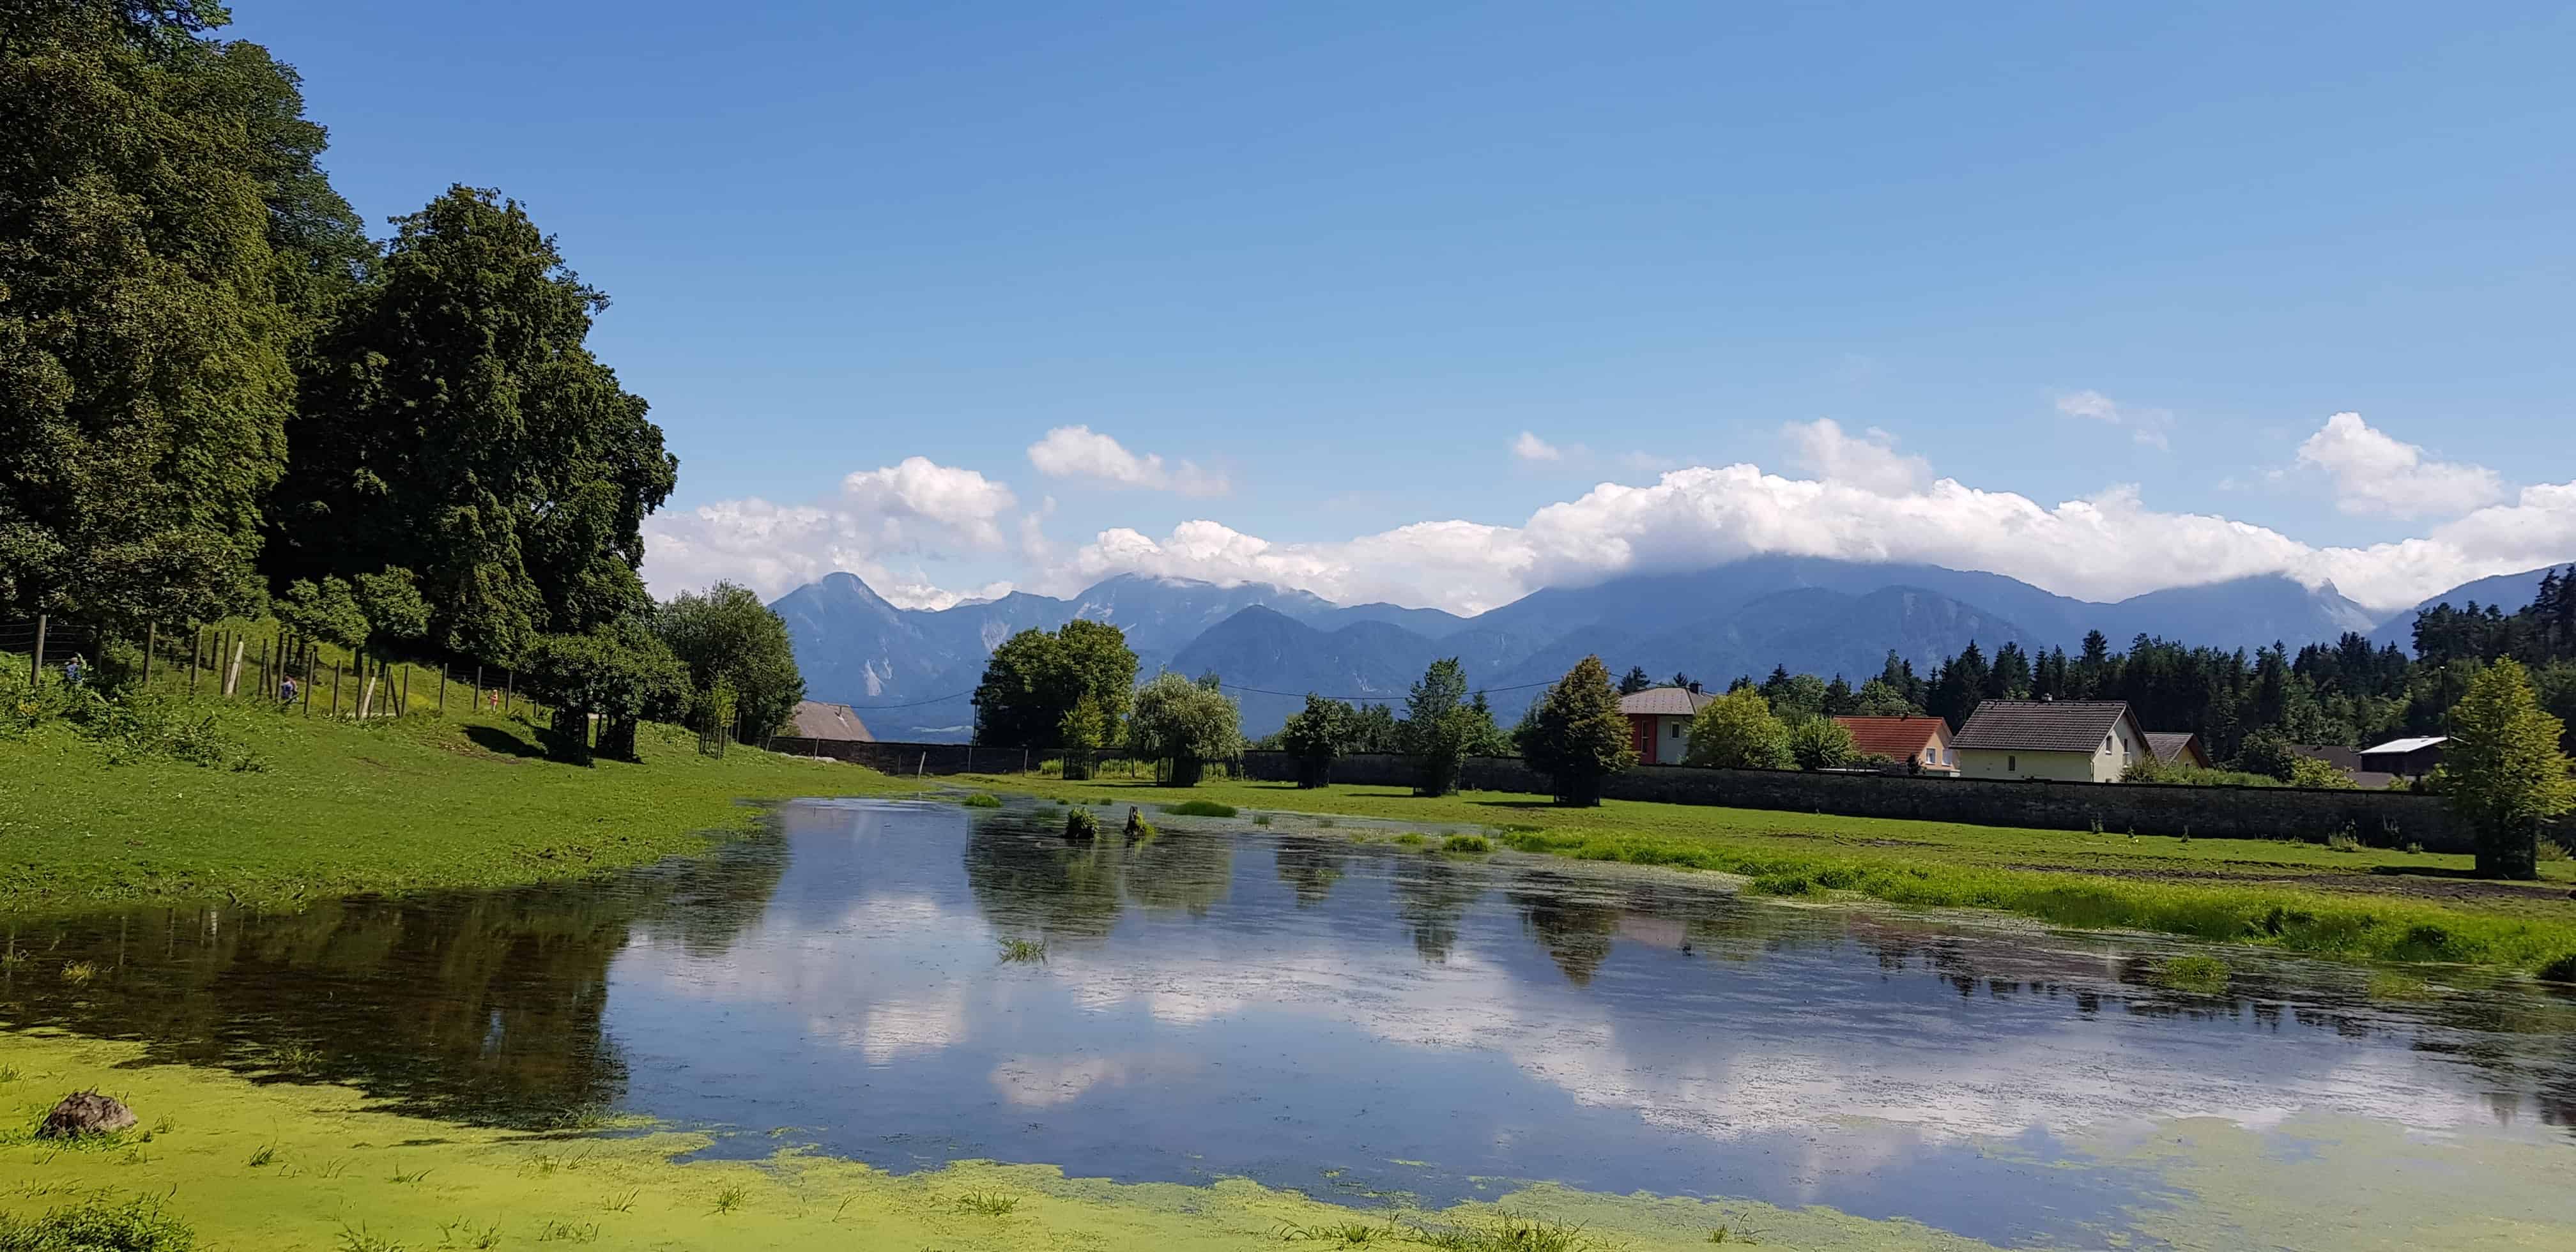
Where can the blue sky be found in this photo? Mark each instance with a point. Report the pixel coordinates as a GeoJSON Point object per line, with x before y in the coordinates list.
{"type": "Point", "coordinates": [1339, 258]}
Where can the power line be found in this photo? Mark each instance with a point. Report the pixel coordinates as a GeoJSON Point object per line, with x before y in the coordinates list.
{"type": "Point", "coordinates": [1259, 691]}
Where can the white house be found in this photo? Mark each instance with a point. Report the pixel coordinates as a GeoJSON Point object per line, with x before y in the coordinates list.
{"type": "Point", "coordinates": [1659, 721]}
{"type": "Point", "coordinates": [2064, 740]}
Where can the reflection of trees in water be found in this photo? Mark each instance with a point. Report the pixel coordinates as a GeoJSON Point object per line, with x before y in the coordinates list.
{"type": "Point", "coordinates": [481, 1005]}
{"type": "Point", "coordinates": [1574, 928]}
{"type": "Point", "coordinates": [1431, 894]}
{"type": "Point", "coordinates": [1311, 866]}
{"type": "Point", "coordinates": [1027, 878]}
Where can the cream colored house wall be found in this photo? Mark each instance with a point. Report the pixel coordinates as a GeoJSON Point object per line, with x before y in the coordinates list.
{"type": "Point", "coordinates": [1672, 739]}
{"type": "Point", "coordinates": [2104, 764]}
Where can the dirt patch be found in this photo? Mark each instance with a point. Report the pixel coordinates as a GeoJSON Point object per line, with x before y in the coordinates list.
{"type": "Point", "coordinates": [2412, 887]}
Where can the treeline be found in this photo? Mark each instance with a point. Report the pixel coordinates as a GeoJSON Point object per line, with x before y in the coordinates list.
{"type": "Point", "coordinates": [223, 399]}
{"type": "Point", "coordinates": [2244, 707]}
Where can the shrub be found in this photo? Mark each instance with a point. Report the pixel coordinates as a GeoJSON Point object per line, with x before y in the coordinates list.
{"type": "Point", "coordinates": [1466, 843]}
{"type": "Point", "coordinates": [97, 1226]}
{"type": "Point", "coordinates": [1081, 825]}
{"type": "Point", "coordinates": [982, 800]}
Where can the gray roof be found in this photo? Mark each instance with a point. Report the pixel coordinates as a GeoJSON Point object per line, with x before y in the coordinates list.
{"type": "Point", "coordinates": [1665, 702]}
{"type": "Point", "coordinates": [2042, 725]}
{"type": "Point", "coordinates": [815, 719]}
{"type": "Point", "coordinates": [2168, 744]}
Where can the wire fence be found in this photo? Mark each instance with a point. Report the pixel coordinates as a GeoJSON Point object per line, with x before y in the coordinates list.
{"type": "Point", "coordinates": [260, 662]}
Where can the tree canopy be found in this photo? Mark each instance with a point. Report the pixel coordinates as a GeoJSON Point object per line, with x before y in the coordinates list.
{"type": "Point", "coordinates": [1578, 736]}
{"type": "Point", "coordinates": [1071, 688]}
{"type": "Point", "coordinates": [1737, 731]}
{"type": "Point", "coordinates": [1439, 727]}
{"type": "Point", "coordinates": [1186, 724]}
{"type": "Point", "coordinates": [733, 643]}
{"type": "Point", "coordinates": [2503, 769]}
{"type": "Point", "coordinates": [1318, 735]}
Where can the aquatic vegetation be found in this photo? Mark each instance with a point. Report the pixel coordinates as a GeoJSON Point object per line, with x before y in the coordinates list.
{"type": "Point", "coordinates": [1080, 826]}
{"type": "Point", "coordinates": [1466, 843]}
{"type": "Point", "coordinates": [463, 1233]}
{"type": "Point", "coordinates": [265, 1155]}
{"type": "Point", "coordinates": [408, 1176]}
{"type": "Point", "coordinates": [2390, 985]}
{"type": "Point", "coordinates": [1410, 839]}
{"type": "Point", "coordinates": [1506, 1233]}
{"type": "Point", "coordinates": [96, 1225]}
{"type": "Point", "coordinates": [2563, 969]}
{"type": "Point", "coordinates": [621, 1201]}
{"type": "Point", "coordinates": [988, 1203]}
{"type": "Point", "coordinates": [730, 1198]}
{"type": "Point", "coordinates": [1199, 808]}
{"type": "Point", "coordinates": [2201, 975]}
{"type": "Point", "coordinates": [982, 800]}
{"type": "Point", "coordinates": [1024, 950]}
{"type": "Point", "coordinates": [78, 972]}
{"type": "Point", "coordinates": [556, 1230]}
{"type": "Point", "coordinates": [1344, 1234]}
{"type": "Point", "coordinates": [1260, 819]}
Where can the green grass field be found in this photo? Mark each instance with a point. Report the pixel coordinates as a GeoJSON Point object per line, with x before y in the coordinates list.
{"type": "Point", "coordinates": [2363, 902]}
{"type": "Point", "coordinates": [421, 801]}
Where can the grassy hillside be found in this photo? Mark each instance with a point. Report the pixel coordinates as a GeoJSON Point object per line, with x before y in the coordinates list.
{"type": "Point", "coordinates": [332, 806]}
{"type": "Point", "coordinates": [2347, 901]}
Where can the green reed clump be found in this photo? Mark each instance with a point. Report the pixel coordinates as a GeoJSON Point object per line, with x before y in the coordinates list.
{"type": "Point", "coordinates": [1020, 951]}
{"type": "Point", "coordinates": [988, 1203]}
{"type": "Point", "coordinates": [982, 800]}
{"type": "Point", "coordinates": [1506, 1233]}
{"type": "Point", "coordinates": [1343, 1234]}
{"type": "Point", "coordinates": [1260, 819]}
{"type": "Point", "coordinates": [1199, 808]}
{"type": "Point", "coordinates": [96, 1225]}
{"type": "Point", "coordinates": [1410, 839]}
{"type": "Point", "coordinates": [2200, 975]}
{"type": "Point", "coordinates": [1466, 843]}
{"type": "Point", "coordinates": [1081, 826]}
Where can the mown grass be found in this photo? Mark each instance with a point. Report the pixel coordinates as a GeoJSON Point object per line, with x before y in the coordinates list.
{"type": "Point", "coordinates": [395, 804]}
{"type": "Point", "coordinates": [2216, 889]}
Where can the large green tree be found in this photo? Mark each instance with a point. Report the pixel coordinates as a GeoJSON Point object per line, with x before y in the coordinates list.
{"type": "Point", "coordinates": [1737, 731]}
{"type": "Point", "coordinates": [1577, 737]}
{"type": "Point", "coordinates": [1186, 725]}
{"type": "Point", "coordinates": [731, 642]}
{"type": "Point", "coordinates": [165, 236]}
{"type": "Point", "coordinates": [1317, 736]}
{"type": "Point", "coordinates": [620, 672]}
{"type": "Point", "coordinates": [2503, 770]}
{"type": "Point", "coordinates": [452, 420]}
{"type": "Point", "coordinates": [1439, 727]}
{"type": "Point", "coordinates": [1070, 689]}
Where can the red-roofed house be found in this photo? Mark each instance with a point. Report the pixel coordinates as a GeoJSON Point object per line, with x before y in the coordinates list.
{"type": "Point", "coordinates": [1659, 721]}
{"type": "Point", "coordinates": [1915, 742]}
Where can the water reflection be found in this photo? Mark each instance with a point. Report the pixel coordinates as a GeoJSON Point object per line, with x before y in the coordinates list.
{"type": "Point", "coordinates": [1227, 1002]}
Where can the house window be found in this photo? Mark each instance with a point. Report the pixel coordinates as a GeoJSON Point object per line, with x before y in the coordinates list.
{"type": "Point", "coordinates": [2011, 763]}
{"type": "Point", "coordinates": [1677, 730]}
{"type": "Point", "coordinates": [2106, 743]}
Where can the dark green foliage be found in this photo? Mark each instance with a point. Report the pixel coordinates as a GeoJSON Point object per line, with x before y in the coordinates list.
{"type": "Point", "coordinates": [1080, 826]}
{"type": "Point", "coordinates": [326, 609]}
{"type": "Point", "coordinates": [144, 377]}
{"type": "Point", "coordinates": [1184, 725]}
{"type": "Point", "coordinates": [453, 422]}
{"type": "Point", "coordinates": [1439, 727]}
{"type": "Point", "coordinates": [1822, 743]}
{"type": "Point", "coordinates": [1070, 689]}
{"type": "Point", "coordinates": [727, 636]}
{"type": "Point", "coordinates": [1466, 843]}
{"type": "Point", "coordinates": [96, 1225]}
{"type": "Point", "coordinates": [982, 800]}
{"type": "Point", "coordinates": [1634, 681]}
{"type": "Point", "coordinates": [1576, 734]}
{"type": "Point", "coordinates": [1199, 808]}
{"type": "Point", "coordinates": [622, 672]}
{"type": "Point", "coordinates": [1317, 737]}
{"type": "Point", "coordinates": [2503, 770]}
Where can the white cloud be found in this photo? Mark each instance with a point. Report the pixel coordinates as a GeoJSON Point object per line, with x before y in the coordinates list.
{"type": "Point", "coordinates": [1865, 501]}
{"type": "Point", "coordinates": [1081, 452]}
{"type": "Point", "coordinates": [1871, 461]}
{"type": "Point", "coordinates": [1529, 447]}
{"type": "Point", "coordinates": [907, 511]}
{"type": "Point", "coordinates": [2374, 473]}
{"type": "Point", "coordinates": [2147, 426]}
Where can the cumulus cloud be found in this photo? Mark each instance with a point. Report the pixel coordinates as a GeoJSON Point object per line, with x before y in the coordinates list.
{"type": "Point", "coordinates": [881, 519]}
{"type": "Point", "coordinates": [1862, 500]}
{"type": "Point", "coordinates": [2374, 473]}
{"type": "Point", "coordinates": [1081, 452]}
{"type": "Point", "coordinates": [1529, 447]}
{"type": "Point", "coordinates": [2103, 547]}
{"type": "Point", "coordinates": [2147, 426]}
{"type": "Point", "coordinates": [1872, 461]}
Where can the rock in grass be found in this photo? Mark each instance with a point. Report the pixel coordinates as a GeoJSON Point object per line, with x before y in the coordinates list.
{"type": "Point", "coordinates": [86, 1113]}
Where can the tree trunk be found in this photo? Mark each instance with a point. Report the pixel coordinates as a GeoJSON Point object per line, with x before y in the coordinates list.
{"type": "Point", "coordinates": [1187, 771]}
{"type": "Point", "coordinates": [617, 739]}
{"type": "Point", "coordinates": [2509, 850]}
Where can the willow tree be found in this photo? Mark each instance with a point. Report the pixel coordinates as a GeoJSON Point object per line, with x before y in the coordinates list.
{"type": "Point", "coordinates": [165, 237]}
{"type": "Point", "coordinates": [453, 421]}
{"type": "Point", "coordinates": [1186, 725]}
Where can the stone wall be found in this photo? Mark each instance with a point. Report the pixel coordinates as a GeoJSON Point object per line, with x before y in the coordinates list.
{"type": "Point", "coordinates": [2385, 818]}
{"type": "Point", "coordinates": [2382, 818]}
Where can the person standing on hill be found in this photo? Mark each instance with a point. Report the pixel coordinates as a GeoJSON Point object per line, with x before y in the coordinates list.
{"type": "Point", "coordinates": [72, 671]}
{"type": "Point", "coordinates": [287, 691]}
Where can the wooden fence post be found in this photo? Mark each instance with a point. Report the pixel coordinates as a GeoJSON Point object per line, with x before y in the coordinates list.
{"type": "Point", "coordinates": [509, 689]}
{"type": "Point", "coordinates": [442, 689]}
{"type": "Point", "coordinates": [403, 705]}
{"type": "Point", "coordinates": [151, 640]}
{"type": "Point", "coordinates": [335, 691]}
{"type": "Point", "coordinates": [478, 686]}
{"type": "Point", "coordinates": [311, 659]}
{"type": "Point", "coordinates": [36, 659]}
{"type": "Point", "coordinates": [196, 643]}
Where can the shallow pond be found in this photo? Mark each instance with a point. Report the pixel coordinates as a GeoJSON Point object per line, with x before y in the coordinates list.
{"type": "Point", "coordinates": [1359, 1020]}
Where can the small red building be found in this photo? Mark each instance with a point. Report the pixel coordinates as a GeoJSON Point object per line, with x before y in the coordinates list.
{"type": "Point", "coordinates": [1659, 722]}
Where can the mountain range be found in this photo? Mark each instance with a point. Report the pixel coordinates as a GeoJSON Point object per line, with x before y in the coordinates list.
{"type": "Point", "coordinates": [909, 670]}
